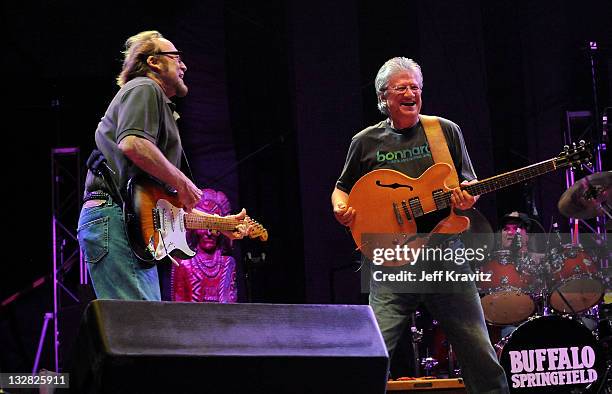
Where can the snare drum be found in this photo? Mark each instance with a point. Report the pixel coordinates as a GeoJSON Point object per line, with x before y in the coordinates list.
{"type": "Point", "coordinates": [551, 354]}
{"type": "Point", "coordinates": [575, 276]}
{"type": "Point", "coordinates": [507, 298]}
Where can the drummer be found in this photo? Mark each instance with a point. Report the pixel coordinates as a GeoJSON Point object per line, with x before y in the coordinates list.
{"type": "Point", "coordinates": [515, 228]}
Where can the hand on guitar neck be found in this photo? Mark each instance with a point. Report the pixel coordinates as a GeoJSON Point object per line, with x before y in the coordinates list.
{"type": "Point", "coordinates": [461, 199]}
{"type": "Point", "coordinates": [241, 231]}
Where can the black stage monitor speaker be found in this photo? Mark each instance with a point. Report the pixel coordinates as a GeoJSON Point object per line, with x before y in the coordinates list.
{"type": "Point", "coordinates": [170, 347]}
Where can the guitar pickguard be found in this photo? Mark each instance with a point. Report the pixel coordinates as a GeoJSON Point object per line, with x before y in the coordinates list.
{"type": "Point", "coordinates": [156, 227]}
{"type": "Point", "coordinates": [171, 229]}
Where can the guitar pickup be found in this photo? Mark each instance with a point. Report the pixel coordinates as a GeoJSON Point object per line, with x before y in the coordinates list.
{"type": "Point", "coordinates": [441, 202]}
{"type": "Point", "coordinates": [398, 216]}
{"type": "Point", "coordinates": [156, 219]}
{"type": "Point", "coordinates": [416, 207]}
{"type": "Point", "coordinates": [406, 210]}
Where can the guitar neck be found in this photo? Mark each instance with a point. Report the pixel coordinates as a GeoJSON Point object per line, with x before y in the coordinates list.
{"type": "Point", "coordinates": [198, 222]}
{"type": "Point", "coordinates": [510, 178]}
{"type": "Point", "coordinates": [194, 221]}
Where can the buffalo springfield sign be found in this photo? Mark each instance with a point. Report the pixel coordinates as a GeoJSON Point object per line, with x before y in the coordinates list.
{"type": "Point", "coordinates": [552, 366]}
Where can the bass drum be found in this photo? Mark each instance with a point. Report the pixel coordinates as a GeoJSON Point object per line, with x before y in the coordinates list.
{"type": "Point", "coordinates": [552, 354]}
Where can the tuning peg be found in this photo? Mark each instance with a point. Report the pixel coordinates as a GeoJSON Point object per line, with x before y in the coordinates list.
{"type": "Point", "coordinates": [566, 148]}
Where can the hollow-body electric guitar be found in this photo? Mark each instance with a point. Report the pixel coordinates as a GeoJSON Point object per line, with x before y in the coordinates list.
{"type": "Point", "coordinates": [157, 227]}
{"type": "Point", "coordinates": [396, 207]}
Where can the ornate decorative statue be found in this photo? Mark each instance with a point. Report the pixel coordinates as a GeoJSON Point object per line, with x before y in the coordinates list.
{"type": "Point", "coordinates": [210, 275]}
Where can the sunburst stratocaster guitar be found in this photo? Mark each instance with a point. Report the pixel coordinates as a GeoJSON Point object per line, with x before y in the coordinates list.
{"type": "Point", "coordinates": [395, 207]}
{"type": "Point", "coordinates": [157, 226]}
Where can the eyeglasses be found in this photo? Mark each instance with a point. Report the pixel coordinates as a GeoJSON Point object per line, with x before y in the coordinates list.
{"type": "Point", "coordinates": [176, 55]}
{"type": "Point", "coordinates": [402, 89]}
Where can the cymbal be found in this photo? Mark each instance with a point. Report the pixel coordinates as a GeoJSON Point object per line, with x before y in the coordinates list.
{"type": "Point", "coordinates": [584, 199]}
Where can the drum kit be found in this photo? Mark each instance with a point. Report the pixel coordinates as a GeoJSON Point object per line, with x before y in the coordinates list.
{"type": "Point", "coordinates": [565, 280]}
{"type": "Point", "coordinates": [560, 339]}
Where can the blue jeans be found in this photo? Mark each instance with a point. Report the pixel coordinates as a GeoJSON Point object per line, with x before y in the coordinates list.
{"type": "Point", "coordinates": [461, 317]}
{"type": "Point", "coordinates": [115, 271]}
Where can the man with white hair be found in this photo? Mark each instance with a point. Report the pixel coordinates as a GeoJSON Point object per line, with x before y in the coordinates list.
{"type": "Point", "coordinates": [399, 85]}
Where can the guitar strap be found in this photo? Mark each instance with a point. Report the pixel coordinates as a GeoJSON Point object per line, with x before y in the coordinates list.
{"type": "Point", "coordinates": [439, 147]}
{"type": "Point", "coordinates": [190, 173]}
{"type": "Point", "coordinates": [98, 164]}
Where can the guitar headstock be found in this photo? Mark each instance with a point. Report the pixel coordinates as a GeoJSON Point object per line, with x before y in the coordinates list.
{"type": "Point", "coordinates": [257, 230]}
{"type": "Point", "coordinates": [575, 155]}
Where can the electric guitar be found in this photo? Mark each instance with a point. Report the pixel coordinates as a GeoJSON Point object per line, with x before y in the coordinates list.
{"type": "Point", "coordinates": [392, 207]}
{"type": "Point", "coordinates": [157, 227]}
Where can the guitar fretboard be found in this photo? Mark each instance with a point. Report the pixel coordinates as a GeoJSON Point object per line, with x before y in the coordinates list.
{"type": "Point", "coordinates": [198, 222]}
{"type": "Point", "coordinates": [510, 178]}
{"type": "Point", "coordinates": [503, 180]}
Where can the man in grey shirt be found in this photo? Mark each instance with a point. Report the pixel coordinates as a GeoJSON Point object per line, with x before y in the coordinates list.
{"type": "Point", "coordinates": [137, 134]}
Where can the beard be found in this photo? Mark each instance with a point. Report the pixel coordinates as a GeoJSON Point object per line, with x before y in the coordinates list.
{"type": "Point", "coordinates": [181, 89]}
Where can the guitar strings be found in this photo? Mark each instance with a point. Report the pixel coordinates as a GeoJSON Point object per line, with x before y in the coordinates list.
{"type": "Point", "coordinates": [443, 199]}
{"type": "Point", "coordinates": [224, 223]}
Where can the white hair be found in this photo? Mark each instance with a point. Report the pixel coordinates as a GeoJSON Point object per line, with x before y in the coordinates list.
{"type": "Point", "coordinates": [390, 68]}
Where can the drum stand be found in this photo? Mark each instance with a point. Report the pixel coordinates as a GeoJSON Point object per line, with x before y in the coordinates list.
{"type": "Point", "coordinates": [567, 303]}
{"type": "Point", "coordinates": [606, 381]}
{"type": "Point", "coordinates": [604, 331]}
{"type": "Point", "coordinates": [453, 371]}
{"type": "Point", "coordinates": [417, 337]}
{"type": "Point", "coordinates": [428, 363]}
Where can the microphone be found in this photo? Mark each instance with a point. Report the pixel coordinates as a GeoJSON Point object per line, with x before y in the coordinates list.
{"type": "Point", "coordinates": [557, 246]}
{"type": "Point", "coordinates": [557, 233]}
{"type": "Point", "coordinates": [517, 244]}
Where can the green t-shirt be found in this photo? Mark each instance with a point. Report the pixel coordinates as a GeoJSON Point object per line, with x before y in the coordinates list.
{"type": "Point", "coordinates": [406, 151]}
